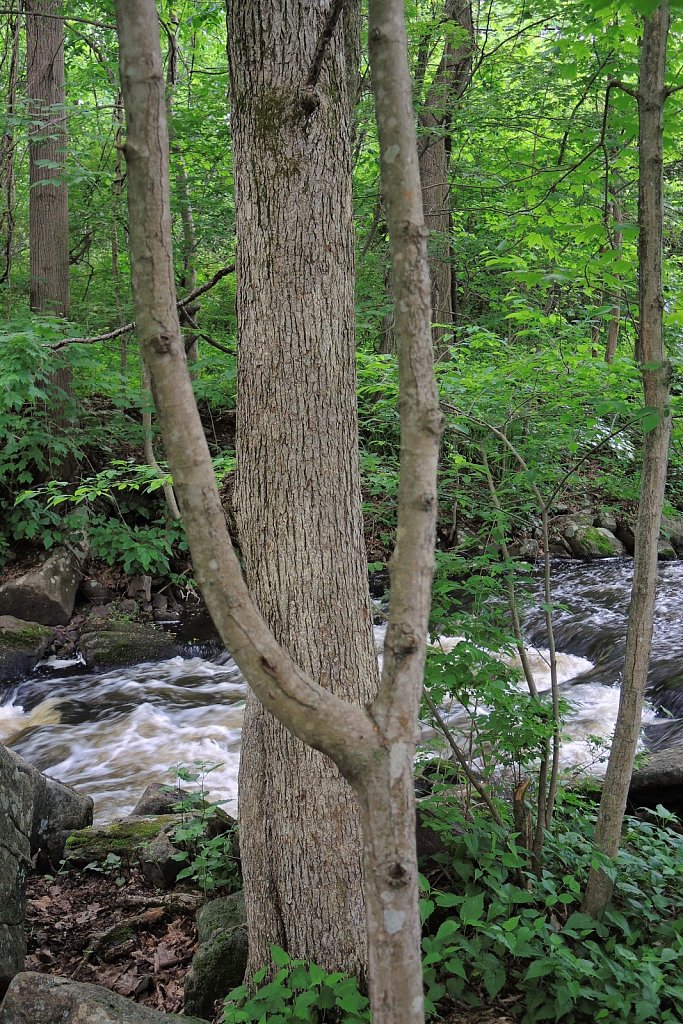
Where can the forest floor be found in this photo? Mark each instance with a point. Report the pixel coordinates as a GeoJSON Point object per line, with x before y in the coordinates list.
{"type": "Point", "coordinates": [113, 930]}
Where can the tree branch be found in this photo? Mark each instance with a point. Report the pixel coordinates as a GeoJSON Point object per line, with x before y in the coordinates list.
{"type": "Point", "coordinates": [333, 16]}
{"type": "Point", "coordinates": [128, 328]}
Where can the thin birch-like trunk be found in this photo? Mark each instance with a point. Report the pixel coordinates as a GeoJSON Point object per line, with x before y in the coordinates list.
{"type": "Point", "coordinates": [655, 370]}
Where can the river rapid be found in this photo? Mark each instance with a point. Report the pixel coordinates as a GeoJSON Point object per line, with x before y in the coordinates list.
{"type": "Point", "coordinates": [110, 734]}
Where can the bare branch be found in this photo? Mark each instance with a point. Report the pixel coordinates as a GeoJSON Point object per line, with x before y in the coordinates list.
{"type": "Point", "coordinates": [128, 328]}
{"type": "Point", "coordinates": [333, 16]}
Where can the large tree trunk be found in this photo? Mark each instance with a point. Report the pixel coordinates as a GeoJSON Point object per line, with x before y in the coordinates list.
{"type": "Point", "coordinates": [448, 85]}
{"type": "Point", "coordinates": [48, 208]}
{"type": "Point", "coordinates": [655, 369]}
{"type": "Point", "coordinates": [298, 491]}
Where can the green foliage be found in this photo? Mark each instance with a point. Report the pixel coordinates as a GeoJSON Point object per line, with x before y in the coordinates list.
{"type": "Point", "coordinates": [492, 935]}
{"type": "Point", "coordinates": [297, 991]}
{"type": "Point", "coordinates": [211, 860]}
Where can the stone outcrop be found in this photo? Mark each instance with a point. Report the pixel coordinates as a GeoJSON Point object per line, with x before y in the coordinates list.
{"type": "Point", "coordinates": [42, 999]}
{"type": "Point", "coordinates": [22, 645]}
{"type": "Point", "coordinates": [221, 958]}
{"type": "Point", "coordinates": [15, 827]}
{"type": "Point", "coordinates": [57, 810]}
{"type": "Point", "coordinates": [46, 593]}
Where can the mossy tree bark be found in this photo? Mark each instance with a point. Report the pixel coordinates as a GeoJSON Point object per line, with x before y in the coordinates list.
{"type": "Point", "coordinates": [656, 371]}
{"type": "Point", "coordinates": [373, 746]}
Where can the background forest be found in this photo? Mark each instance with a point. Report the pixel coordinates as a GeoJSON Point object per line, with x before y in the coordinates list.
{"type": "Point", "coordinates": [528, 154]}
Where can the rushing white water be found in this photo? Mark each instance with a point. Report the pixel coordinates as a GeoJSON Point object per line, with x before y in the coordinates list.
{"type": "Point", "coordinates": [112, 733]}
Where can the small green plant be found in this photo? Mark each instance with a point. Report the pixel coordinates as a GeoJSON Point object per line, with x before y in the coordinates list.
{"type": "Point", "coordinates": [297, 992]}
{"type": "Point", "coordinates": [210, 859]}
{"type": "Point", "coordinates": [112, 866]}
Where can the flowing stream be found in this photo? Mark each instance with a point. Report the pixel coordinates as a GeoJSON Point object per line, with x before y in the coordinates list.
{"type": "Point", "coordinates": [110, 734]}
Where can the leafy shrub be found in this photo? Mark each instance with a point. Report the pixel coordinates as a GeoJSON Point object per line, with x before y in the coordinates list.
{"type": "Point", "coordinates": [297, 992]}
{"type": "Point", "coordinates": [499, 937]}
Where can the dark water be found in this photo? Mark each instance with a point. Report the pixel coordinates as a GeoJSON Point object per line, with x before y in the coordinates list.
{"type": "Point", "coordinates": [109, 734]}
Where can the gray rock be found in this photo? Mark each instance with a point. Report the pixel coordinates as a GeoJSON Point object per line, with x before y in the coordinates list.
{"type": "Point", "coordinates": [659, 781]}
{"type": "Point", "coordinates": [607, 520]}
{"type": "Point", "coordinates": [140, 588]}
{"type": "Point", "coordinates": [46, 593]}
{"type": "Point", "coordinates": [41, 999]}
{"type": "Point", "coordinates": [593, 542]}
{"type": "Point", "coordinates": [127, 839]}
{"type": "Point", "coordinates": [158, 799]}
{"type": "Point", "coordinates": [96, 592]}
{"type": "Point", "coordinates": [527, 549]}
{"type": "Point", "coordinates": [560, 524]}
{"type": "Point", "coordinates": [113, 643]}
{"type": "Point", "coordinates": [57, 811]}
{"type": "Point", "coordinates": [16, 806]}
{"type": "Point", "coordinates": [22, 645]}
{"type": "Point", "coordinates": [672, 530]}
{"type": "Point", "coordinates": [666, 551]}
{"type": "Point", "coordinates": [221, 958]}
{"type": "Point", "coordinates": [157, 862]}
{"type": "Point", "coordinates": [220, 915]}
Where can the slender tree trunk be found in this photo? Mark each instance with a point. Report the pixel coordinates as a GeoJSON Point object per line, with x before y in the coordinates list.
{"type": "Point", "coordinates": [448, 85]}
{"type": "Point", "coordinates": [188, 281]}
{"type": "Point", "coordinates": [387, 796]}
{"type": "Point", "coordinates": [615, 295]}
{"type": "Point", "coordinates": [297, 495]}
{"type": "Point", "coordinates": [656, 374]}
{"type": "Point", "coordinates": [7, 145]}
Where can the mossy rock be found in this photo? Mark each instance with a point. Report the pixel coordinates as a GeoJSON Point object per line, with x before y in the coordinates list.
{"type": "Point", "coordinates": [593, 542]}
{"type": "Point", "coordinates": [107, 644]}
{"type": "Point", "coordinates": [126, 838]}
{"type": "Point", "coordinates": [22, 645]}
{"type": "Point", "coordinates": [217, 967]}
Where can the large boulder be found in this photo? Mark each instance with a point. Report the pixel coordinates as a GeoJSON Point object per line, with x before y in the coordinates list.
{"type": "Point", "coordinates": [221, 958]}
{"type": "Point", "coordinates": [57, 811]}
{"type": "Point", "coordinates": [115, 643]}
{"type": "Point", "coordinates": [47, 592]}
{"type": "Point", "coordinates": [593, 542]}
{"type": "Point", "coordinates": [659, 781]}
{"type": "Point", "coordinates": [42, 999]}
{"type": "Point", "coordinates": [22, 645]}
{"type": "Point", "coordinates": [15, 827]}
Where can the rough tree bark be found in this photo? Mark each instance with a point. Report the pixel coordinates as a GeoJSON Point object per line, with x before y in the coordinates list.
{"type": "Point", "coordinates": [48, 207]}
{"type": "Point", "coordinates": [48, 196]}
{"type": "Point", "coordinates": [655, 370]}
{"type": "Point", "coordinates": [372, 747]}
{"type": "Point", "coordinates": [297, 496]}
